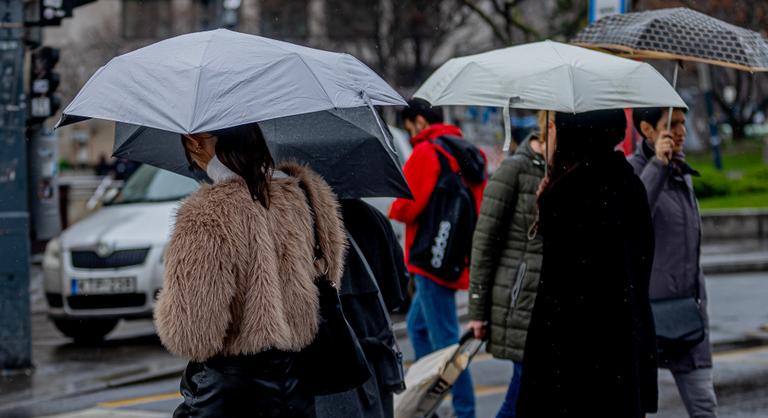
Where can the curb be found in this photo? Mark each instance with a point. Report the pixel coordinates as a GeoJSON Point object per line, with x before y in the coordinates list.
{"type": "Point", "coordinates": [740, 266]}
{"type": "Point", "coordinates": [117, 378]}
{"type": "Point", "coordinates": [757, 338]}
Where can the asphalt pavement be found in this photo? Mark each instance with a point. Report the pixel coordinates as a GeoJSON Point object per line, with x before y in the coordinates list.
{"type": "Point", "coordinates": [131, 375]}
{"type": "Point", "coordinates": [741, 378]}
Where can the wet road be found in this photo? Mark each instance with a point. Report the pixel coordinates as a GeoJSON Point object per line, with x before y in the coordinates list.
{"type": "Point", "coordinates": [63, 369]}
{"type": "Point", "coordinates": [747, 399]}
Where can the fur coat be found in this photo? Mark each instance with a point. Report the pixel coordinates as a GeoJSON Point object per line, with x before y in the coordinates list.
{"type": "Point", "coordinates": [239, 278]}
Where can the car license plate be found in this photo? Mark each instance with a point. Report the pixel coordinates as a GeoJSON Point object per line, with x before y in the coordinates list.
{"type": "Point", "coordinates": [101, 286]}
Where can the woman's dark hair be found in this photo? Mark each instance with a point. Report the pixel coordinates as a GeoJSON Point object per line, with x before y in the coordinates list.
{"type": "Point", "coordinates": [581, 136]}
{"type": "Point", "coordinates": [243, 150]}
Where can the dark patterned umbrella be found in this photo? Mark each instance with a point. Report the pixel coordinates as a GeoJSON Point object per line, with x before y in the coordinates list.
{"type": "Point", "coordinates": [678, 34]}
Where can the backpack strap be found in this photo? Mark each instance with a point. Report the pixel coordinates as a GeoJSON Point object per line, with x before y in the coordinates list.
{"type": "Point", "coordinates": [445, 165]}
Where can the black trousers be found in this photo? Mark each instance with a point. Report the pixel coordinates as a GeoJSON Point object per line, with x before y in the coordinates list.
{"type": "Point", "coordinates": [266, 384]}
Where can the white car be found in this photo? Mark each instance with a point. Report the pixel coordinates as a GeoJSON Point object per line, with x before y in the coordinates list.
{"type": "Point", "coordinates": [109, 266]}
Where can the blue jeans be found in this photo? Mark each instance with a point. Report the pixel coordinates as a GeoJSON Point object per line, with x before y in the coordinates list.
{"type": "Point", "coordinates": [433, 324]}
{"type": "Point", "coordinates": [509, 407]}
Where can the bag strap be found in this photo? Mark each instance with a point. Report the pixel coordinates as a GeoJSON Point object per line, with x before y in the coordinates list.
{"type": "Point", "coordinates": [445, 165]}
{"type": "Point", "coordinates": [318, 250]}
{"type": "Point", "coordinates": [376, 284]}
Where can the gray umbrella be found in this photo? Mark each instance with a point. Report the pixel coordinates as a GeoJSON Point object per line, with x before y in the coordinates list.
{"type": "Point", "coordinates": [205, 81]}
{"type": "Point", "coordinates": [347, 147]}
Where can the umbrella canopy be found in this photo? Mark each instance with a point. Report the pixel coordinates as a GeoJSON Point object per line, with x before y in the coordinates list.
{"type": "Point", "coordinates": [211, 80]}
{"type": "Point", "coordinates": [548, 76]}
{"type": "Point", "coordinates": [678, 34]}
{"type": "Point", "coordinates": [360, 163]}
{"type": "Point", "coordinates": [313, 106]}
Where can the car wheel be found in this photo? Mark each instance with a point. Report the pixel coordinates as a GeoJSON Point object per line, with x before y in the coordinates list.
{"type": "Point", "coordinates": [85, 330]}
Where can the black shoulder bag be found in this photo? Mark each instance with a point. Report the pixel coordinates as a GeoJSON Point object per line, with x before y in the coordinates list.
{"type": "Point", "coordinates": [679, 323]}
{"type": "Point", "coordinates": [335, 361]}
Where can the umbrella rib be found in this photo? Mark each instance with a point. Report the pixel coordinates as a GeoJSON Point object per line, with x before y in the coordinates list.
{"type": "Point", "coordinates": [197, 82]}
{"type": "Point", "coordinates": [315, 77]}
{"type": "Point", "coordinates": [570, 75]}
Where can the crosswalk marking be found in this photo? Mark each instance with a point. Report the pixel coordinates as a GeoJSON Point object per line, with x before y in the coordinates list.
{"type": "Point", "coordinates": [141, 400]}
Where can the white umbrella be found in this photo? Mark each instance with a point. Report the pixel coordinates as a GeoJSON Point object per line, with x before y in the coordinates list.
{"type": "Point", "coordinates": [217, 79]}
{"type": "Point", "coordinates": [547, 76]}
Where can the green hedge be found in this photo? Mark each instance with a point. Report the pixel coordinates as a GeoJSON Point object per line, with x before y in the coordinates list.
{"type": "Point", "coordinates": [713, 183]}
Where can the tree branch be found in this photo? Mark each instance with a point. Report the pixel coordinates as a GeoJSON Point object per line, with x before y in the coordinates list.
{"type": "Point", "coordinates": [518, 22]}
{"type": "Point", "coordinates": [487, 19]}
{"type": "Point", "coordinates": [718, 96]}
{"type": "Point", "coordinates": [499, 8]}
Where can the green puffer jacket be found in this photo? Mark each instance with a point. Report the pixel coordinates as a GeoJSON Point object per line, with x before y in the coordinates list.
{"type": "Point", "coordinates": [504, 273]}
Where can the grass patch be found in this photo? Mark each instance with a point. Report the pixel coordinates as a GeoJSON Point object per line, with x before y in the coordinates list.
{"type": "Point", "coordinates": [751, 200]}
{"type": "Point", "coordinates": [743, 182]}
{"type": "Point", "coordinates": [748, 153]}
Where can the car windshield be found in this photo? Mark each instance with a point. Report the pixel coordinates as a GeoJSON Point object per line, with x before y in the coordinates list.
{"type": "Point", "coordinates": [151, 184]}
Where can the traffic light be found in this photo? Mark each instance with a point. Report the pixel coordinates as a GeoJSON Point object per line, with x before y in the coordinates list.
{"type": "Point", "coordinates": [44, 82]}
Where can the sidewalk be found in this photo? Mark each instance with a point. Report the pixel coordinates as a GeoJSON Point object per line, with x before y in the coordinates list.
{"type": "Point", "coordinates": [734, 256]}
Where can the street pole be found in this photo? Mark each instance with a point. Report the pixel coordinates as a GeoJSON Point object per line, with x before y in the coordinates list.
{"type": "Point", "coordinates": [15, 341]}
{"type": "Point", "coordinates": [705, 84]}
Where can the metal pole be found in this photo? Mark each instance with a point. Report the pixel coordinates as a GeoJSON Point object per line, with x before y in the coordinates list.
{"type": "Point", "coordinates": [705, 83]}
{"type": "Point", "coordinates": [546, 144]}
{"type": "Point", "coordinates": [674, 86]}
{"type": "Point", "coordinates": [15, 341]}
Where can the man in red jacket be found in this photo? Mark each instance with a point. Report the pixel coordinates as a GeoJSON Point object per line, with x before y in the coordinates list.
{"type": "Point", "coordinates": [432, 319]}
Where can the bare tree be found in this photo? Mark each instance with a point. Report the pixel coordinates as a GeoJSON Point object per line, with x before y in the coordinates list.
{"type": "Point", "coordinates": [514, 21]}
{"type": "Point", "coordinates": [398, 38]}
{"type": "Point", "coordinates": [750, 96]}
{"type": "Point", "coordinates": [79, 60]}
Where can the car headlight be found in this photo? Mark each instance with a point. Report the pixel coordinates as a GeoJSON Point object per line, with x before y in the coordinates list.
{"type": "Point", "coordinates": [52, 256]}
{"type": "Point", "coordinates": [52, 267]}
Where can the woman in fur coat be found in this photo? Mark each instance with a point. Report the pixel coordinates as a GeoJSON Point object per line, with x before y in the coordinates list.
{"type": "Point", "coordinates": [239, 298]}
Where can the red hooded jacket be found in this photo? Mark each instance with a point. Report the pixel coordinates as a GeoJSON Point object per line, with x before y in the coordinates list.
{"type": "Point", "coordinates": [422, 170]}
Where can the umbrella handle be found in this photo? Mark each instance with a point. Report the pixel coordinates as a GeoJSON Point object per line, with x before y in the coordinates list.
{"type": "Point", "coordinates": [674, 86]}
{"type": "Point", "coordinates": [546, 144]}
{"type": "Point", "coordinates": [507, 128]}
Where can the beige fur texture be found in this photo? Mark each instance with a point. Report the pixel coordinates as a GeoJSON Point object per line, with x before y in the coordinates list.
{"type": "Point", "coordinates": [239, 278]}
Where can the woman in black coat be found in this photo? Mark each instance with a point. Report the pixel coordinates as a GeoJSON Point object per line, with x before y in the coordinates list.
{"type": "Point", "coordinates": [359, 294]}
{"type": "Point", "coordinates": [591, 342]}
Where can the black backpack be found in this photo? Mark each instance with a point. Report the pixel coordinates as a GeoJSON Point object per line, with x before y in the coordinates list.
{"type": "Point", "coordinates": [443, 239]}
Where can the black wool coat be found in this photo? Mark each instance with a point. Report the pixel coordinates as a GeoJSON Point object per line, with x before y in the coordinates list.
{"type": "Point", "coordinates": [591, 342]}
{"type": "Point", "coordinates": [373, 232]}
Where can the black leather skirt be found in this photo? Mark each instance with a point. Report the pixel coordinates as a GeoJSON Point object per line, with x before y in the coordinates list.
{"type": "Point", "coordinates": [266, 384]}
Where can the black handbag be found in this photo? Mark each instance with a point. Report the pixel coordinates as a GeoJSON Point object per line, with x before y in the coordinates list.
{"type": "Point", "coordinates": [679, 324]}
{"type": "Point", "coordinates": [334, 362]}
